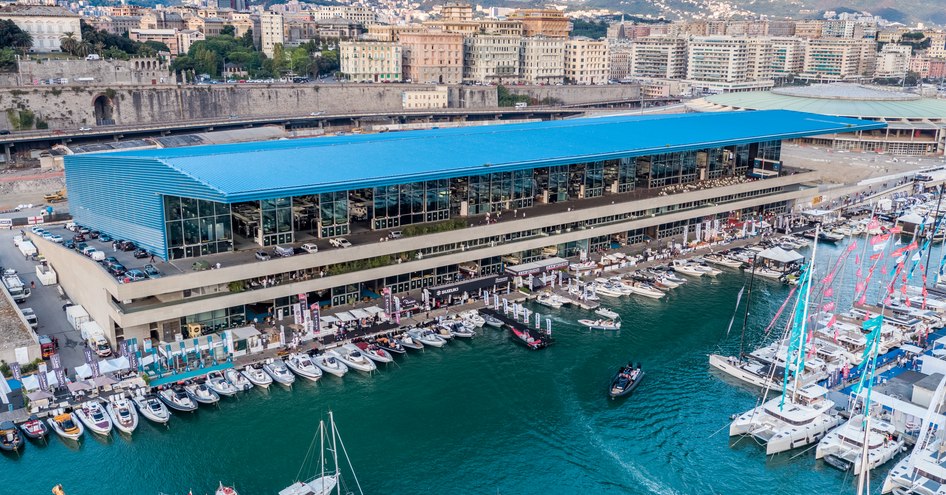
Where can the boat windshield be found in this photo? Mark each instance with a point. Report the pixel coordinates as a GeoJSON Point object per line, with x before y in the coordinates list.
{"type": "Point", "coordinates": [67, 424]}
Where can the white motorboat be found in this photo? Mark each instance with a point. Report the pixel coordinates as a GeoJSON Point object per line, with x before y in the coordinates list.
{"type": "Point", "coordinates": [805, 417]}
{"type": "Point", "coordinates": [66, 426]}
{"type": "Point", "coordinates": [761, 271]}
{"type": "Point", "coordinates": [122, 413]}
{"type": "Point", "coordinates": [843, 448]}
{"type": "Point", "coordinates": [152, 408]}
{"type": "Point", "coordinates": [257, 376]}
{"type": "Point", "coordinates": [93, 416]}
{"type": "Point", "coordinates": [330, 364]}
{"type": "Point", "coordinates": [549, 300]}
{"type": "Point", "coordinates": [644, 289]}
{"type": "Point", "coordinates": [301, 365]}
{"type": "Point", "coordinates": [409, 342]}
{"type": "Point", "coordinates": [492, 321]}
{"type": "Point", "coordinates": [442, 332]}
{"type": "Point", "coordinates": [749, 370]}
{"type": "Point", "coordinates": [353, 358]}
{"type": "Point", "coordinates": [687, 268]}
{"type": "Point", "coordinates": [607, 313]}
{"type": "Point", "coordinates": [722, 260]}
{"type": "Point", "coordinates": [458, 330]}
{"type": "Point", "coordinates": [237, 379]}
{"type": "Point", "coordinates": [278, 371]}
{"type": "Point", "coordinates": [426, 337]}
{"type": "Point", "coordinates": [706, 269]}
{"type": "Point", "coordinates": [219, 384]}
{"type": "Point", "coordinates": [374, 352]}
{"type": "Point", "coordinates": [609, 290]}
{"type": "Point", "coordinates": [473, 316]}
{"type": "Point", "coordinates": [201, 393]}
{"type": "Point", "coordinates": [600, 324]}
{"type": "Point", "coordinates": [178, 399]}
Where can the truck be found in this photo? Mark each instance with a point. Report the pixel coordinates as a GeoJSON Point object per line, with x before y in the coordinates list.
{"type": "Point", "coordinates": [27, 248]}
{"type": "Point", "coordinates": [94, 336]}
{"type": "Point", "coordinates": [55, 196]}
{"type": "Point", "coordinates": [76, 315]}
{"type": "Point", "coordinates": [15, 286]}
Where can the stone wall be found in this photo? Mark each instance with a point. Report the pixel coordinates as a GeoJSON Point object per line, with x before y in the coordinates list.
{"type": "Point", "coordinates": [75, 106]}
{"type": "Point", "coordinates": [571, 95]}
{"type": "Point", "coordinates": [137, 71]}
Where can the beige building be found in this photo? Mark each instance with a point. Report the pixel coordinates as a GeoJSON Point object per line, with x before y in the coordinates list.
{"type": "Point", "coordinates": [659, 56]}
{"type": "Point", "coordinates": [504, 27]}
{"type": "Point", "coordinates": [188, 37]}
{"type": "Point", "coordinates": [167, 36]}
{"type": "Point", "coordinates": [810, 29]}
{"type": "Point", "coordinates": [893, 61]}
{"type": "Point", "coordinates": [370, 61]}
{"type": "Point", "coordinates": [387, 32]}
{"type": "Point", "coordinates": [542, 60]}
{"type": "Point", "coordinates": [427, 99]}
{"type": "Point", "coordinates": [728, 59]}
{"type": "Point", "coordinates": [620, 65]}
{"type": "Point", "coordinates": [432, 57]}
{"type": "Point", "coordinates": [586, 61]}
{"type": "Point", "coordinates": [937, 47]}
{"type": "Point", "coordinates": [839, 59]}
{"type": "Point", "coordinates": [457, 11]}
{"type": "Point", "coordinates": [361, 15]}
{"type": "Point", "coordinates": [627, 31]}
{"type": "Point", "coordinates": [47, 24]}
{"type": "Point", "coordinates": [272, 32]}
{"type": "Point", "coordinates": [550, 23]}
{"type": "Point", "coordinates": [788, 55]}
{"type": "Point", "coordinates": [491, 58]}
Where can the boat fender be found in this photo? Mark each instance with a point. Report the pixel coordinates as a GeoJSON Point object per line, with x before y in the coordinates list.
{"type": "Point", "coordinates": [732, 417]}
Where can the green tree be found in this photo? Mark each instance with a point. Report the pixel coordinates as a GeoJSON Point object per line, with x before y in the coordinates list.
{"type": "Point", "coordinates": [68, 43]}
{"type": "Point", "coordinates": [301, 61]}
{"type": "Point", "coordinates": [7, 60]}
{"type": "Point", "coordinates": [280, 59]}
{"type": "Point", "coordinates": [247, 38]}
{"type": "Point", "coordinates": [327, 62]}
{"type": "Point", "coordinates": [11, 36]}
{"type": "Point", "coordinates": [228, 30]}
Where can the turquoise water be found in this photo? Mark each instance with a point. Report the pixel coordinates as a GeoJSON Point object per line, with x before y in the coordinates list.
{"type": "Point", "coordinates": [483, 416]}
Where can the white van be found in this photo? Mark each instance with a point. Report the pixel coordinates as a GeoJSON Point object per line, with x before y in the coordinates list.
{"type": "Point", "coordinates": [283, 252]}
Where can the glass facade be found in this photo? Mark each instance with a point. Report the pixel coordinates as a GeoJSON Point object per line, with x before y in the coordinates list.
{"type": "Point", "coordinates": [416, 202]}
{"type": "Point", "coordinates": [276, 221]}
{"type": "Point", "coordinates": [500, 191]}
{"type": "Point", "coordinates": [333, 214]}
{"type": "Point", "coordinates": [195, 227]}
{"type": "Point", "coordinates": [217, 320]}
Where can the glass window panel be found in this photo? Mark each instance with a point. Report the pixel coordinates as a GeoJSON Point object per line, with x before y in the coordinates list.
{"type": "Point", "coordinates": [191, 231]}
{"type": "Point", "coordinates": [172, 208]}
{"type": "Point", "coordinates": [206, 229]}
{"type": "Point", "coordinates": [175, 234]}
{"type": "Point", "coordinates": [189, 207]}
{"type": "Point", "coordinates": [206, 208]}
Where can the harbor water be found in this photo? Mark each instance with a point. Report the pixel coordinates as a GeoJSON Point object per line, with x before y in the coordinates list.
{"type": "Point", "coordinates": [484, 416]}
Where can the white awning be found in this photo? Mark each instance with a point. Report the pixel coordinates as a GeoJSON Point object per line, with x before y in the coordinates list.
{"type": "Point", "coordinates": [345, 316]}
{"type": "Point", "coordinates": [912, 349]}
{"type": "Point", "coordinates": [83, 372]}
{"type": "Point", "coordinates": [328, 319]}
{"type": "Point", "coordinates": [780, 255]}
{"type": "Point", "coordinates": [373, 310]}
{"type": "Point", "coordinates": [910, 218]}
{"type": "Point", "coordinates": [31, 382]}
{"type": "Point", "coordinates": [244, 333]}
{"type": "Point", "coordinates": [360, 313]}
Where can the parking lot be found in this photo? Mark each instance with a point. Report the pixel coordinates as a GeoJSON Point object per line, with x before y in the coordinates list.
{"type": "Point", "coordinates": [45, 301]}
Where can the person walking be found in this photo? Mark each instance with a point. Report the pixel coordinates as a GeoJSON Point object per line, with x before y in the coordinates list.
{"type": "Point", "coordinates": [152, 258]}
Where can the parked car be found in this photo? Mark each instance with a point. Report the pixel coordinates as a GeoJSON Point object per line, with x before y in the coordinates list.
{"type": "Point", "coordinates": [94, 234]}
{"type": "Point", "coordinates": [339, 242]}
{"type": "Point", "coordinates": [84, 231]}
{"type": "Point", "coordinates": [56, 238]}
{"type": "Point", "coordinates": [105, 238]}
{"type": "Point", "coordinates": [69, 244]}
{"type": "Point", "coordinates": [310, 248]}
{"type": "Point", "coordinates": [141, 253]}
{"type": "Point", "coordinates": [395, 234]}
{"type": "Point", "coordinates": [80, 247]}
{"type": "Point", "coordinates": [47, 235]}
{"type": "Point", "coordinates": [127, 246]}
{"type": "Point", "coordinates": [152, 272]}
{"type": "Point", "coordinates": [262, 255]}
{"type": "Point", "coordinates": [134, 276]}
{"type": "Point", "coordinates": [116, 269]}
{"type": "Point", "coordinates": [78, 238]}
{"type": "Point", "coordinates": [36, 230]}
{"type": "Point", "coordinates": [111, 260]}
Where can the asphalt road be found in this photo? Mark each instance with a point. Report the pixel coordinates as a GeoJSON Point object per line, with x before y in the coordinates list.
{"type": "Point", "coordinates": [45, 301]}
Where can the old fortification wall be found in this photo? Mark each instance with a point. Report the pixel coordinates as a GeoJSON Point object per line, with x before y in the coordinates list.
{"type": "Point", "coordinates": [68, 107]}
{"type": "Point", "coordinates": [572, 95]}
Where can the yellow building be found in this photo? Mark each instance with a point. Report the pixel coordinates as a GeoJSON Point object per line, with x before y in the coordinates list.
{"type": "Point", "coordinates": [587, 61]}
{"type": "Point", "coordinates": [550, 23]}
{"type": "Point", "coordinates": [370, 61]}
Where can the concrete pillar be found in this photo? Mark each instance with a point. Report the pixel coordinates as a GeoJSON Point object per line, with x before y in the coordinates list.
{"type": "Point", "coordinates": [6, 153]}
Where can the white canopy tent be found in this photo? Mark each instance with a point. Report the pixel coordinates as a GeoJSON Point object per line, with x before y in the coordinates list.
{"type": "Point", "coordinates": [31, 382]}
{"type": "Point", "coordinates": [373, 310]}
{"type": "Point", "coordinates": [345, 316]}
{"type": "Point", "coordinates": [780, 255]}
{"type": "Point", "coordinates": [360, 313]}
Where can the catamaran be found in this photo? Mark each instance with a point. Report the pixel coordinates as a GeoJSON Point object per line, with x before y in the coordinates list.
{"type": "Point", "coordinates": [843, 447]}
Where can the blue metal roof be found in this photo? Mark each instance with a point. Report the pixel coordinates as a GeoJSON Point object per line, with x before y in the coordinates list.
{"type": "Point", "coordinates": [260, 170]}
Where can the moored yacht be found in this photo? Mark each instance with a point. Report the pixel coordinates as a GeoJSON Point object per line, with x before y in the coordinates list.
{"type": "Point", "coordinates": [277, 370]}
{"type": "Point", "coordinates": [426, 337]}
{"type": "Point", "coordinates": [301, 365]}
{"type": "Point", "coordinates": [374, 352]}
{"type": "Point", "coordinates": [93, 416]}
{"type": "Point", "coordinates": [843, 447]}
{"type": "Point", "coordinates": [804, 418]}
{"type": "Point", "coordinates": [201, 393]}
{"type": "Point", "coordinates": [687, 268]}
{"type": "Point", "coordinates": [219, 384]}
{"type": "Point", "coordinates": [152, 408]}
{"type": "Point", "coordinates": [257, 376]}
{"type": "Point", "coordinates": [353, 358]}
{"type": "Point", "coordinates": [330, 364]}
{"type": "Point", "coordinates": [176, 398]}
{"type": "Point", "coordinates": [65, 425]}
{"type": "Point", "coordinates": [238, 380]}
{"type": "Point", "coordinates": [122, 413]}
{"type": "Point", "coordinates": [549, 300]}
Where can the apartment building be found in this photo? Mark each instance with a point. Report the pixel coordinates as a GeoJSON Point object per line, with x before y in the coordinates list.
{"type": "Point", "coordinates": [167, 36]}
{"type": "Point", "coordinates": [809, 29]}
{"type": "Point", "coordinates": [491, 58]}
{"type": "Point", "coordinates": [542, 60]}
{"type": "Point", "coordinates": [432, 57]}
{"type": "Point", "coordinates": [893, 61]}
{"type": "Point", "coordinates": [718, 59]}
{"type": "Point", "coordinates": [788, 56]}
{"type": "Point", "coordinates": [272, 31]}
{"type": "Point", "coordinates": [361, 15]}
{"type": "Point", "coordinates": [937, 47]}
{"type": "Point", "coordinates": [620, 64]}
{"type": "Point", "coordinates": [550, 23]}
{"type": "Point", "coordinates": [627, 31]}
{"type": "Point", "coordinates": [586, 61]}
{"type": "Point", "coordinates": [370, 61]}
{"type": "Point", "coordinates": [659, 56]}
{"type": "Point", "coordinates": [839, 59]}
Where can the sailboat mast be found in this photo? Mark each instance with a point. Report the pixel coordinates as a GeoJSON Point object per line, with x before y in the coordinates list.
{"type": "Point", "coordinates": [322, 446]}
{"type": "Point", "coordinates": [745, 319]}
{"type": "Point", "coordinates": [802, 335]}
{"type": "Point", "coordinates": [338, 483]}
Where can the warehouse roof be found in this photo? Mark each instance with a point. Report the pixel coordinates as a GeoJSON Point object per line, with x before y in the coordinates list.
{"type": "Point", "coordinates": [260, 170]}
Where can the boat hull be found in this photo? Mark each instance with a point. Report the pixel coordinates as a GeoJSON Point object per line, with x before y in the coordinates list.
{"type": "Point", "coordinates": [177, 406]}
{"type": "Point", "coordinates": [144, 409]}
{"type": "Point", "coordinates": [261, 379]}
{"type": "Point", "coordinates": [125, 426]}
